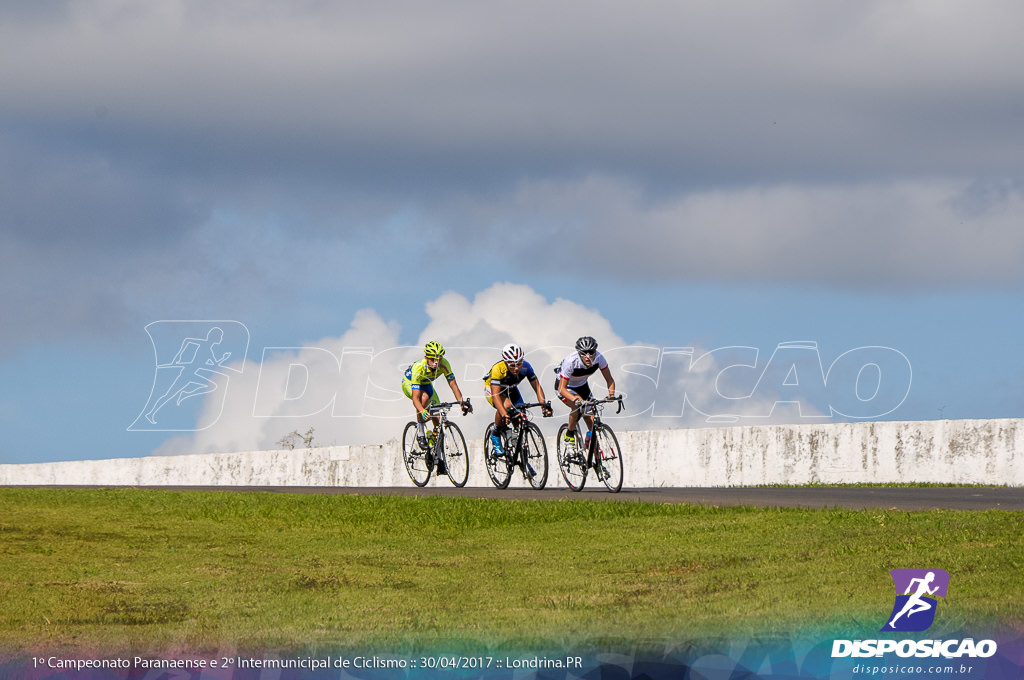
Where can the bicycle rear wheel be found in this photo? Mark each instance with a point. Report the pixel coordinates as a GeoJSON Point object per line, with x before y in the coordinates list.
{"type": "Point", "coordinates": [571, 461]}
{"type": "Point", "coordinates": [535, 455]}
{"type": "Point", "coordinates": [608, 458]}
{"type": "Point", "coordinates": [455, 454]}
{"type": "Point", "coordinates": [415, 457]}
{"type": "Point", "coordinates": [497, 466]}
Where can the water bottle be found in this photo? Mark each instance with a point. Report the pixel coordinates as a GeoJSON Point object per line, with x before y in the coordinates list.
{"type": "Point", "coordinates": [586, 443]}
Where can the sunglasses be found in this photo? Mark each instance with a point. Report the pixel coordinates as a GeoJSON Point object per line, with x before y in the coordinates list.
{"type": "Point", "coordinates": [588, 354]}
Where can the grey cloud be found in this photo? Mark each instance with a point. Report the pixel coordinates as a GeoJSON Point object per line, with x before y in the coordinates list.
{"type": "Point", "coordinates": [893, 235]}
{"type": "Point", "coordinates": [727, 143]}
{"type": "Point", "coordinates": [789, 91]}
{"type": "Point", "coordinates": [56, 187]}
{"type": "Point", "coordinates": [986, 197]}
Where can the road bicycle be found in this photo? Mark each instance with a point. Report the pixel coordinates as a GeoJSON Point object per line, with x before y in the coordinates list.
{"type": "Point", "coordinates": [447, 453]}
{"type": "Point", "coordinates": [524, 448]}
{"type": "Point", "coordinates": [601, 452]}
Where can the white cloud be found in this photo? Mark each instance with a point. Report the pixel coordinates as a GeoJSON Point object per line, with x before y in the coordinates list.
{"type": "Point", "coordinates": [348, 388]}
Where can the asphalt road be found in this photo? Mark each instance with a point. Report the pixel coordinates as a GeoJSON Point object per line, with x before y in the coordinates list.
{"type": "Point", "coordinates": [856, 498]}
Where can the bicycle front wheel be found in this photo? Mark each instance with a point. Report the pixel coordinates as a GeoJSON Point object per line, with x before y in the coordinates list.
{"type": "Point", "coordinates": [571, 460]}
{"type": "Point", "coordinates": [415, 457]}
{"type": "Point", "coordinates": [608, 459]}
{"type": "Point", "coordinates": [535, 455]}
{"type": "Point", "coordinates": [455, 454]}
{"type": "Point", "coordinates": [497, 466]}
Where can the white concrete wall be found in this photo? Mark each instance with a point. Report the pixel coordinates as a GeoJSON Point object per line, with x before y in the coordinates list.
{"type": "Point", "coordinates": [943, 451]}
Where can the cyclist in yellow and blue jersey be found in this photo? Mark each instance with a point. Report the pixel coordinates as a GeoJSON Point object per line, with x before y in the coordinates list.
{"type": "Point", "coordinates": [501, 389]}
{"type": "Point", "coordinates": [418, 386]}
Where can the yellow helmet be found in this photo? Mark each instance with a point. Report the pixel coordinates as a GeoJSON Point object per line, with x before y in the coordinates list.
{"type": "Point", "coordinates": [433, 350]}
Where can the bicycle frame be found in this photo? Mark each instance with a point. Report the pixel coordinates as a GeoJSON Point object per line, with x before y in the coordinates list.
{"type": "Point", "coordinates": [441, 412]}
{"type": "Point", "coordinates": [524, 448]}
{"type": "Point", "coordinates": [602, 453]}
{"type": "Point", "coordinates": [517, 455]}
{"type": "Point", "coordinates": [595, 407]}
{"type": "Point", "coordinates": [421, 463]}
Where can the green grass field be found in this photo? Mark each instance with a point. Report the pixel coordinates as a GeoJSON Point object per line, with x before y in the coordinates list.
{"type": "Point", "coordinates": [150, 571]}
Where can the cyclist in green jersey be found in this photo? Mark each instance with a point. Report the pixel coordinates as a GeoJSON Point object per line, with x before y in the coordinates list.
{"type": "Point", "coordinates": [418, 386]}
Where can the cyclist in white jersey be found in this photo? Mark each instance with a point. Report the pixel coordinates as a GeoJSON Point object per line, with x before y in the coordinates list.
{"type": "Point", "coordinates": [571, 383]}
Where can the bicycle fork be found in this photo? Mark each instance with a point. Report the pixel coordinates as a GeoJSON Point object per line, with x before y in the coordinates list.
{"type": "Point", "coordinates": [519, 453]}
{"type": "Point", "coordinates": [433, 453]}
{"type": "Point", "coordinates": [523, 450]}
{"type": "Point", "coordinates": [595, 459]}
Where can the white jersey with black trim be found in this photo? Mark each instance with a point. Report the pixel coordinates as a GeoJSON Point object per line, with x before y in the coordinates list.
{"type": "Point", "coordinates": [573, 368]}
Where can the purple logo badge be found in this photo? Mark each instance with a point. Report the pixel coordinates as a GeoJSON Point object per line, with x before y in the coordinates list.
{"type": "Point", "coordinates": [916, 592]}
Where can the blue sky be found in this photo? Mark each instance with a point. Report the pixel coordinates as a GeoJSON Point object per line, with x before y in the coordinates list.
{"type": "Point", "coordinates": [660, 175]}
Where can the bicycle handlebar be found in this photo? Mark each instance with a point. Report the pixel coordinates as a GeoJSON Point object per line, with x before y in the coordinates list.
{"type": "Point", "coordinates": [617, 397]}
{"type": "Point", "coordinates": [447, 406]}
{"type": "Point", "coordinates": [523, 407]}
{"type": "Point", "coordinates": [592, 403]}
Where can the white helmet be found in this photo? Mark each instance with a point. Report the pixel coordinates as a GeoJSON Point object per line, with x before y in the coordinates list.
{"type": "Point", "coordinates": [512, 353]}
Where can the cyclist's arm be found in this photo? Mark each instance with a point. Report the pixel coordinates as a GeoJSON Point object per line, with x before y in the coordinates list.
{"type": "Point", "coordinates": [546, 410]}
{"type": "Point", "coordinates": [607, 373]}
{"type": "Point", "coordinates": [535, 384]}
{"type": "Point", "coordinates": [455, 388]}
{"type": "Point", "coordinates": [563, 390]}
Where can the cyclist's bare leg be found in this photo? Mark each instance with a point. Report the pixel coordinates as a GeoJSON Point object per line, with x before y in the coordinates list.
{"type": "Point", "coordinates": [498, 420]}
{"type": "Point", "coordinates": [421, 400]}
{"type": "Point", "coordinates": [500, 427]}
{"type": "Point", "coordinates": [574, 414]}
{"type": "Point", "coordinates": [574, 419]}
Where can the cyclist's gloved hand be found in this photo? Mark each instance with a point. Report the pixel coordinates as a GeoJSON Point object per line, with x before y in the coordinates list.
{"type": "Point", "coordinates": [466, 407]}
{"type": "Point", "coordinates": [547, 410]}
